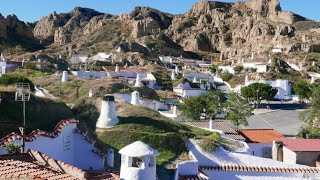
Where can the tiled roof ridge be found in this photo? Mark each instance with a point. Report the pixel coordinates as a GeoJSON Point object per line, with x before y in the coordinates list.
{"type": "Point", "coordinates": [58, 165]}
{"type": "Point", "coordinates": [36, 133]}
{"type": "Point", "coordinates": [260, 169]}
{"type": "Point", "coordinates": [260, 129]}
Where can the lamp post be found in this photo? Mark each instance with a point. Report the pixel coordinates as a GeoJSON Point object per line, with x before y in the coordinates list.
{"type": "Point", "coordinates": [257, 99]}
{"type": "Point", "coordinates": [23, 95]}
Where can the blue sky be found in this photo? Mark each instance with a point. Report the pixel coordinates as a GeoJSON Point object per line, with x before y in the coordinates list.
{"type": "Point", "coordinates": [32, 10]}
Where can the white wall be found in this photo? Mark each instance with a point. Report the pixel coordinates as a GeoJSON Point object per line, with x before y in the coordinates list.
{"type": "Point", "coordinates": [150, 104]}
{"type": "Point", "coordinates": [289, 156]}
{"type": "Point", "coordinates": [257, 148]}
{"type": "Point", "coordinates": [227, 69]}
{"type": "Point", "coordinates": [283, 86]}
{"type": "Point", "coordinates": [69, 147]}
{"type": "Point", "coordinates": [89, 74]}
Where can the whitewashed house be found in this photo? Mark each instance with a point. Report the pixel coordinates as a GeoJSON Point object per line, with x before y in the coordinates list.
{"type": "Point", "coordinates": [105, 57]}
{"type": "Point", "coordinates": [76, 59]}
{"type": "Point", "coordinates": [260, 141]}
{"type": "Point", "coordinates": [227, 69]}
{"type": "Point", "coordinates": [283, 86]}
{"type": "Point", "coordinates": [297, 151]}
{"type": "Point", "coordinates": [229, 165]}
{"type": "Point", "coordinates": [260, 67]}
{"type": "Point", "coordinates": [65, 143]}
{"type": "Point", "coordinates": [185, 90]}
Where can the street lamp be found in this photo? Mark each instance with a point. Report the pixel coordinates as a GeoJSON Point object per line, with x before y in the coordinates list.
{"type": "Point", "coordinates": [257, 99]}
{"type": "Point", "coordinates": [23, 95]}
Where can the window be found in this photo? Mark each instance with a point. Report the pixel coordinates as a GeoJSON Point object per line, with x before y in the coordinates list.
{"type": "Point", "coordinates": [137, 162]}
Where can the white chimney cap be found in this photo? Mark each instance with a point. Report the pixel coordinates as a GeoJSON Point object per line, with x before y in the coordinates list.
{"type": "Point", "coordinates": [138, 149]}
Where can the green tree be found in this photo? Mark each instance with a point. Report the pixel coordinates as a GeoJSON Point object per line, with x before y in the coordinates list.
{"type": "Point", "coordinates": [238, 109]}
{"type": "Point", "coordinates": [259, 90]}
{"type": "Point", "coordinates": [312, 115]}
{"type": "Point", "coordinates": [192, 107]}
{"type": "Point", "coordinates": [213, 68]}
{"type": "Point", "coordinates": [303, 89]}
{"type": "Point", "coordinates": [238, 69]}
{"type": "Point", "coordinates": [226, 76]}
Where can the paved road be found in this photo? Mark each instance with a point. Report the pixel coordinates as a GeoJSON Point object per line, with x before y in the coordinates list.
{"type": "Point", "coordinates": [284, 121]}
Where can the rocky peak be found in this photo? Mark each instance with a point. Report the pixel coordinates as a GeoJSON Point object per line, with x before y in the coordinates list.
{"type": "Point", "coordinates": [84, 12]}
{"type": "Point", "coordinates": [265, 7]}
{"type": "Point", "coordinates": [60, 28]}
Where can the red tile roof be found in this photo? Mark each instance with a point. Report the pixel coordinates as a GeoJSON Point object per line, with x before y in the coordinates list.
{"type": "Point", "coordinates": [302, 145]}
{"type": "Point", "coordinates": [260, 135]}
{"type": "Point", "coordinates": [36, 165]}
{"type": "Point", "coordinates": [260, 169]}
{"type": "Point", "coordinates": [36, 133]}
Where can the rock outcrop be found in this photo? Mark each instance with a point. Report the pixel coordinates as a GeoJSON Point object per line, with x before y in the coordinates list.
{"type": "Point", "coordinates": [63, 28]}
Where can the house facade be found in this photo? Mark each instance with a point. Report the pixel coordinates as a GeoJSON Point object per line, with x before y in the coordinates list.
{"type": "Point", "coordinates": [297, 151]}
{"type": "Point", "coordinates": [66, 143]}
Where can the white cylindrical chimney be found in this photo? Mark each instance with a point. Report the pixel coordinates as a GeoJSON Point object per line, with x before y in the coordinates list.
{"type": "Point", "coordinates": [246, 79]}
{"type": "Point", "coordinates": [108, 116]}
{"type": "Point", "coordinates": [138, 81]}
{"type": "Point", "coordinates": [117, 69]}
{"type": "Point", "coordinates": [135, 98]}
{"type": "Point", "coordinates": [195, 80]}
{"type": "Point", "coordinates": [176, 69]}
{"type": "Point", "coordinates": [64, 77]}
{"type": "Point", "coordinates": [174, 110]}
{"type": "Point", "coordinates": [173, 76]}
{"type": "Point", "coordinates": [312, 79]}
{"type": "Point", "coordinates": [211, 124]}
{"type": "Point", "coordinates": [90, 93]}
{"type": "Point", "coordinates": [110, 158]}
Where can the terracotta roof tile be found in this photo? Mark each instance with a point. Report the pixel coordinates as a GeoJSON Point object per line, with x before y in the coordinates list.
{"type": "Point", "coordinates": [26, 165]}
{"type": "Point", "coordinates": [260, 135]}
{"type": "Point", "coordinates": [259, 169]}
{"type": "Point", "coordinates": [36, 133]}
{"type": "Point", "coordinates": [302, 145]}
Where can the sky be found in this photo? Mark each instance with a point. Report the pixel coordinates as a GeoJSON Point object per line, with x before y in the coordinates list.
{"type": "Point", "coordinates": [33, 10]}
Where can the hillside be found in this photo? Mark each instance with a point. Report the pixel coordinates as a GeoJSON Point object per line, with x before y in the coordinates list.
{"type": "Point", "coordinates": [40, 113]}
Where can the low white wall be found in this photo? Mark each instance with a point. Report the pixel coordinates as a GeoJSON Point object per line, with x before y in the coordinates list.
{"type": "Point", "coordinates": [289, 156]}
{"type": "Point", "coordinates": [150, 104]}
{"type": "Point", "coordinates": [89, 74]}
{"type": "Point", "coordinates": [256, 149]}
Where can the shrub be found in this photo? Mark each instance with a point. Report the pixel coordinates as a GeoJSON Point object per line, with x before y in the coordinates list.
{"type": "Point", "coordinates": [13, 148]}
{"type": "Point", "coordinates": [238, 69]}
{"type": "Point", "coordinates": [226, 76]}
{"type": "Point", "coordinates": [12, 79]}
{"type": "Point", "coordinates": [209, 143]}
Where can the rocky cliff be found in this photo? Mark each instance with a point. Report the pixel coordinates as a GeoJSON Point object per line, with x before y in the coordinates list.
{"type": "Point", "coordinates": [232, 29]}
{"type": "Point", "coordinates": [15, 32]}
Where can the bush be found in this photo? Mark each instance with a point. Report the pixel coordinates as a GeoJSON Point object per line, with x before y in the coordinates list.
{"type": "Point", "coordinates": [238, 69]}
{"type": "Point", "coordinates": [13, 148]}
{"type": "Point", "coordinates": [226, 76]}
{"type": "Point", "coordinates": [209, 143]}
{"type": "Point", "coordinates": [13, 79]}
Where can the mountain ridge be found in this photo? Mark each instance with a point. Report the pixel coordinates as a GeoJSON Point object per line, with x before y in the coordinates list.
{"type": "Point", "coordinates": [232, 29]}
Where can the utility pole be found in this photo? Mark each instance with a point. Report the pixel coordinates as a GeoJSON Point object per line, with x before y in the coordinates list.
{"type": "Point", "coordinates": [23, 94]}
{"type": "Point", "coordinates": [257, 99]}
